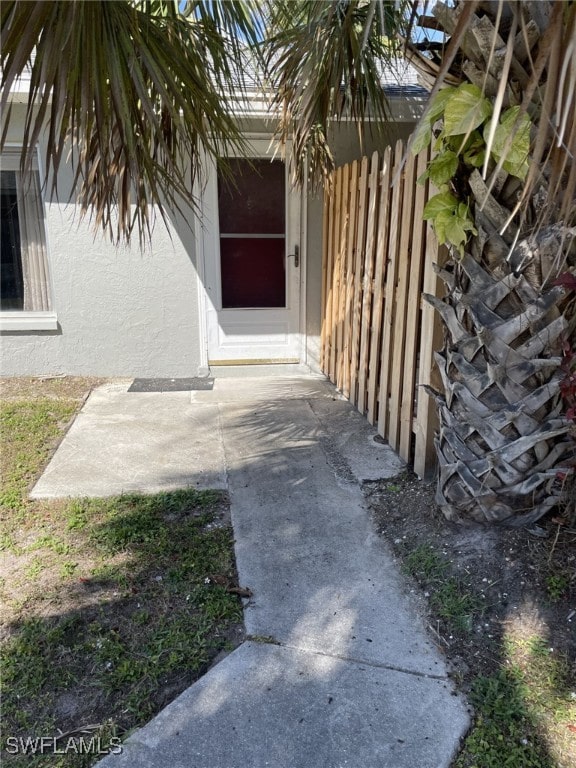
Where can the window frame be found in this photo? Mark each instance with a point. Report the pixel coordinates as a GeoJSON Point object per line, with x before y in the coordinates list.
{"type": "Point", "coordinates": [31, 320]}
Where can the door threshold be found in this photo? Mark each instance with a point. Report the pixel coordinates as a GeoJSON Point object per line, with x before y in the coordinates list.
{"type": "Point", "coordinates": [256, 361]}
{"type": "Point", "coordinates": [263, 371]}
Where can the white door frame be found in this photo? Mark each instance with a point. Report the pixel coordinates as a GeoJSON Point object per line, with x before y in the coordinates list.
{"type": "Point", "coordinates": [207, 244]}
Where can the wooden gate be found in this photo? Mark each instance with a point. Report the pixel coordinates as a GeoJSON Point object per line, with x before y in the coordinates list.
{"type": "Point", "coordinates": [378, 335]}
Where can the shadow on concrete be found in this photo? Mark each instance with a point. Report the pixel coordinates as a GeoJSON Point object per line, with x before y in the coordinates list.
{"type": "Point", "coordinates": [338, 669]}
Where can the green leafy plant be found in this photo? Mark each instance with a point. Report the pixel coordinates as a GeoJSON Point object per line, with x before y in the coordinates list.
{"type": "Point", "coordinates": [460, 146]}
{"type": "Point", "coordinates": [556, 585]}
{"type": "Point", "coordinates": [513, 153]}
{"type": "Point", "coordinates": [450, 219]}
{"type": "Point", "coordinates": [465, 109]}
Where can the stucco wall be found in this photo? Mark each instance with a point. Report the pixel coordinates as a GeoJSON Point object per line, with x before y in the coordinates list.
{"type": "Point", "coordinates": [346, 147]}
{"type": "Point", "coordinates": [126, 312]}
{"type": "Point", "coordinates": [121, 311]}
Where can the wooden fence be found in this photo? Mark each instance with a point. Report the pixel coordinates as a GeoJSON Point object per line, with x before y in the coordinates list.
{"type": "Point", "coordinates": [378, 335]}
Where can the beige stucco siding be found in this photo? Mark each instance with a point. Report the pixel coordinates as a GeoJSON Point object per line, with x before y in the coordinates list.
{"type": "Point", "coordinates": [126, 312]}
{"type": "Point", "coordinates": [121, 311]}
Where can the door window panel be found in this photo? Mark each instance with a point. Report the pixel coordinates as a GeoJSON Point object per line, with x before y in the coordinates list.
{"type": "Point", "coordinates": [251, 210]}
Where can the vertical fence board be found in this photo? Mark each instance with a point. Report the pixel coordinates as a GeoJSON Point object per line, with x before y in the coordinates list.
{"type": "Point", "coordinates": [327, 319]}
{"type": "Point", "coordinates": [330, 299]}
{"type": "Point", "coordinates": [414, 326]}
{"type": "Point", "coordinates": [339, 266]}
{"type": "Point", "coordinates": [326, 244]}
{"type": "Point", "coordinates": [413, 321]}
{"type": "Point", "coordinates": [368, 288]}
{"type": "Point", "coordinates": [343, 251]}
{"type": "Point", "coordinates": [404, 258]}
{"type": "Point", "coordinates": [381, 257]}
{"type": "Point", "coordinates": [377, 338]}
{"type": "Point", "coordinates": [390, 295]}
{"type": "Point", "coordinates": [335, 274]}
{"type": "Point", "coordinates": [426, 418]}
{"type": "Point", "coordinates": [358, 268]}
{"type": "Point", "coordinates": [354, 173]}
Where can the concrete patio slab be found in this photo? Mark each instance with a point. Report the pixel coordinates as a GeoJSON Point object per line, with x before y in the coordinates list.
{"type": "Point", "coordinates": [267, 389]}
{"type": "Point", "coordinates": [368, 456]}
{"type": "Point", "coordinates": [343, 673]}
{"type": "Point", "coordinates": [270, 707]}
{"type": "Point", "coordinates": [141, 442]}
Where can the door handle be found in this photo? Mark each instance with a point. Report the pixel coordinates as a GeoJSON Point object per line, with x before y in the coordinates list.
{"type": "Point", "coordinates": [296, 255]}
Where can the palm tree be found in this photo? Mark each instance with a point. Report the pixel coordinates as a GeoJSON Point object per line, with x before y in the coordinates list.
{"type": "Point", "coordinates": [508, 131]}
{"type": "Point", "coordinates": [132, 93]}
{"type": "Point", "coordinates": [502, 117]}
{"type": "Point", "coordinates": [140, 89]}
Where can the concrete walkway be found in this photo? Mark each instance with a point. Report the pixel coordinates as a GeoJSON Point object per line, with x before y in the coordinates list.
{"type": "Point", "coordinates": [339, 670]}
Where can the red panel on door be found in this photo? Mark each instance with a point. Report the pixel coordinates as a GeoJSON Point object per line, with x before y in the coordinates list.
{"type": "Point", "coordinates": [251, 200]}
{"type": "Point", "coordinates": [253, 272]}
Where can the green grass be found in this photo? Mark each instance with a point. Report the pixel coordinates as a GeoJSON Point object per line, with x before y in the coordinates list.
{"type": "Point", "coordinates": [557, 584]}
{"type": "Point", "coordinates": [503, 733]}
{"type": "Point", "coordinates": [451, 600]}
{"type": "Point", "coordinates": [530, 696]}
{"type": "Point", "coordinates": [425, 563]}
{"type": "Point", "coordinates": [455, 604]}
{"type": "Point", "coordinates": [532, 693]}
{"type": "Point", "coordinates": [29, 431]}
{"type": "Point", "coordinates": [114, 605]}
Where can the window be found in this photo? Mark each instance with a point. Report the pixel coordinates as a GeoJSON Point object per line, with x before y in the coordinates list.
{"type": "Point", "coordinates": [25, 300]}
{"type": "Point", "coordinates": [251, 211]}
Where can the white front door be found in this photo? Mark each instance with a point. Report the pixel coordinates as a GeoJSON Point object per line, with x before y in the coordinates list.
{"type": "Point", "coordinates": [250, 237]}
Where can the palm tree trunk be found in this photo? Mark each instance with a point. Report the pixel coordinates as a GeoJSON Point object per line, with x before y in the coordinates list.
{"type": "Point", "coordinates": [503, 435]}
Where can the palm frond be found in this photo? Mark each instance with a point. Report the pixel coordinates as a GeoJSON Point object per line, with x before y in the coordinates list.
{"type": "Point", "coordinates": [325, 62]}
{"type": "Point", "coordinates": [132, 92]}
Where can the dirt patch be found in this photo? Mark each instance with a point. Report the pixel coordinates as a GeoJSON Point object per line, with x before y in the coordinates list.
{"type": "Point", "coordinates": [113, 606]}
{"type": "Point", "coordinates": [52, 387]}
{"type": "Point", "coordinates": [519, 590]}
{"type": "Point", "coordinates": [114, 612]}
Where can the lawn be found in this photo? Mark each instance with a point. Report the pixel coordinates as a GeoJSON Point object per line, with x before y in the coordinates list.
{"type": "Point", "coordinates": [501, 607]}
{"type": "Point", "coordinates": [112, 606]}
